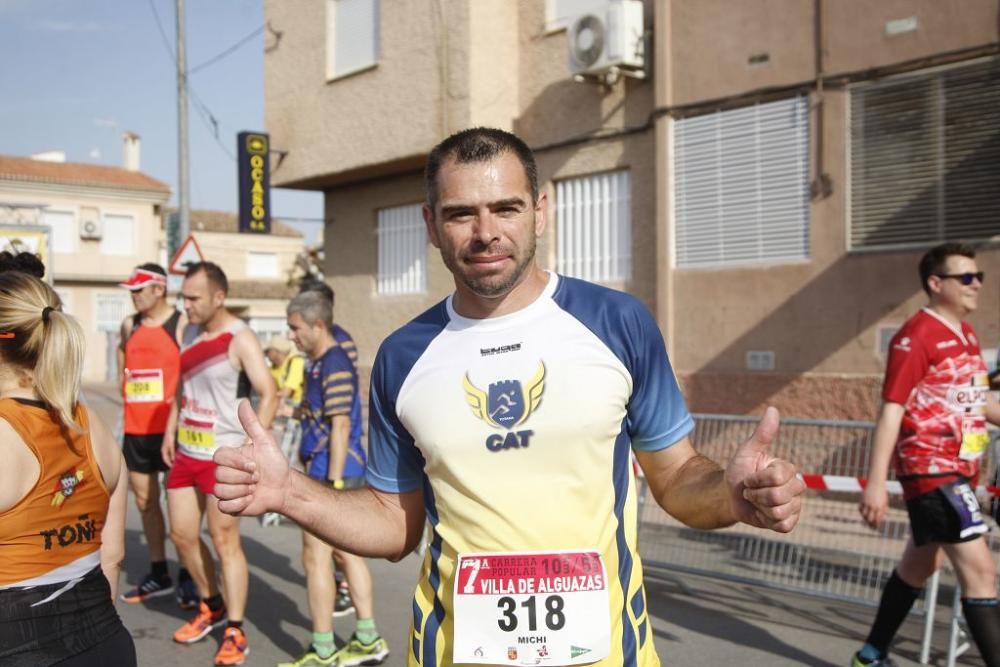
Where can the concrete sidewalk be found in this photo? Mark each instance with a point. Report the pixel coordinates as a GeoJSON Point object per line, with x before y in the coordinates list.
{"type": "Point", "coordinates": [696, 620]}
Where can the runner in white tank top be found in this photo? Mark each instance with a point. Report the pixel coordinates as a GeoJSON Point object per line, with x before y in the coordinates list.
{"type": "Point", "coordinates": [202, 420]}
{"type": "Point", "coordinates": [210, 389]}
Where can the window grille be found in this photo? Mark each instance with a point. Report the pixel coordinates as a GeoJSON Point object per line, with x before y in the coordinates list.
{"type": "Point", "coordinates": [402, 250]}
{"type": "Point", "coordinates": [594, 227]}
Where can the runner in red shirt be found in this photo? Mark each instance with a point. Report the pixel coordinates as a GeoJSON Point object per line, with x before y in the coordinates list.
{"type": "Point", "coordinates": [148, 368]}
{"type": "Point", "coordinates": [936, 402]}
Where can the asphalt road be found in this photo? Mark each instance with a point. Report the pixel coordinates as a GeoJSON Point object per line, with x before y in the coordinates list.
{"type": "Point", "coordinates": [696, 620]}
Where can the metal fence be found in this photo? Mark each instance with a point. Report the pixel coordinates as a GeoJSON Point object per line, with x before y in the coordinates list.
{"type": "Point", "coordinates": [830, 553]}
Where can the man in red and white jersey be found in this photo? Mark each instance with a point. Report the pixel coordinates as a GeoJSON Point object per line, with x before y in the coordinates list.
{"type": "Point", "coordinates": [217, 368]}
{"type": "Point", "coordinates": [936, 402]}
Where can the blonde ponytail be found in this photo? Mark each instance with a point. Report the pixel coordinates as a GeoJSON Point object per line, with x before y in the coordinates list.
{"type": "Point", "coordinates": [45, 340]}
{"type": "Point", "coordinates": [60, 365]}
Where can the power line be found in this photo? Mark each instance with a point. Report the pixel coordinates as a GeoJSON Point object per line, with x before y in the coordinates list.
{"type": "Point", "coordinates": [211, 122]}
{"type": "Point", "coordinates": [226, 52]}
{"type": "Point", "coordinates": [206, 115]}
{"type": "Point", "coordinates": [163, 33]}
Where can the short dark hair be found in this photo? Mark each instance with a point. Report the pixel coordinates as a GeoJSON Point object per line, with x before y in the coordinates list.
{"type": "Point", "coordinates": [22, 262]}
{"type": "Point", "coordinates": [152, 267]}
{"type": "Point", "coordinates": [934, 260]}
{"type": "Point", "coordinates": [213, 272]}
{"type": "Point", "coordinates": [479, 144]}
{"type": "Point", "coordinates": [315, 285]}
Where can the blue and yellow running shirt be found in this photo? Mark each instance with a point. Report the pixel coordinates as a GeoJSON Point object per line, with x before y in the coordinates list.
{"type": "Point", "coordinates": [331, 390]}
{"type": "Point", "coordinates": [518, 431]}
{"type": "Point", "coordinates": [346, 343]}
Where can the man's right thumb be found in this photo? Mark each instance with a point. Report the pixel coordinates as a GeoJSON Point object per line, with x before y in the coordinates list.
{"type": "Point", "coordinates": [249, 422]}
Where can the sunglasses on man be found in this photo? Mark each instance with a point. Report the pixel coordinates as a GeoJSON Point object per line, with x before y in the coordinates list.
{"type": "Point", "coordinates": [964, 278]}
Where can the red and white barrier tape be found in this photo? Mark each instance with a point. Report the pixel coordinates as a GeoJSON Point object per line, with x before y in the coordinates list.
{"type": "Point", "coordinates": [857, 484]}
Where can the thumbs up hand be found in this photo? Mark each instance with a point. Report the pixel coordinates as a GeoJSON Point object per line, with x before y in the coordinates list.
{"type": "Point", "coordinates": [254, 478]}
{"type": "Point", "coordinates": [764, 490]}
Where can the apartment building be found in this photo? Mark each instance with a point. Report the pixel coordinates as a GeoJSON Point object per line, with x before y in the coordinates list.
{"type": "Point", "coordinates": [765, 182]}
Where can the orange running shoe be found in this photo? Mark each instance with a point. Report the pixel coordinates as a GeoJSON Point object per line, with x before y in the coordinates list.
{"type": "Point", "coordinates": [234, 649]}
{"type": "Point", "coordinates": [200, 625]}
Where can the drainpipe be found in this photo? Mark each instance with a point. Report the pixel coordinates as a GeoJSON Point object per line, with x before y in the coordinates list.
{"type": "Point", "coordinates": [822, 185]}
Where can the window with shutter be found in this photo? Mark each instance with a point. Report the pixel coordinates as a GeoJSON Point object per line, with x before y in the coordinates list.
{"type": "Point", "coordinates": [594, 233]}
{"type": "Point", "coordinates": [402, 250]}
{"type": "Point", "coordinates": [64, 230]}
{"type": "Point", "coordinates": [111, 309]}
{"type": "Point", "coordinates": [925, 157]}
{"type": "Point", "coordinates": [268, 327]}
{"type": "Point", "coordinates": [118, 235]}
{"type": "Point", "coordinates": [741, 185]}
{"type": "Point", "coordinates": [262, 265]}
{"type": "Point", "coordinates": [352, 36]}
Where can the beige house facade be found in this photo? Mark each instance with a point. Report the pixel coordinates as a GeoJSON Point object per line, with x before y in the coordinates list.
{"type": "Point", "coordinates": [102, 222]}
{"type": "Point", "coordinates": [260, 267]}
{"type": "Point", "coordinates": [765, 184]}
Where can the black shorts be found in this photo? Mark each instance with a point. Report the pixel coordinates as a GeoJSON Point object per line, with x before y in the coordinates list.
{"type": "Point", "coordinates": [142, 453]}
{"type": "Point", "coordinates": [948, 515]}
{"type": "Point", "coordinates": [79, 626]}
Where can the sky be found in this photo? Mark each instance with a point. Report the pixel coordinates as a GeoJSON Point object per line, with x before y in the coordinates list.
{"type": "Point", "coordinates": [76, 74]}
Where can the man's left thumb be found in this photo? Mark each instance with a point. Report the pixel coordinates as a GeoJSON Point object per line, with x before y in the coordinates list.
{"type": "Point", "coordinates": [764, 434]}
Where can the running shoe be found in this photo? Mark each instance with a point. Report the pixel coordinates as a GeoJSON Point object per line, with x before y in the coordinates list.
{"type": "Point", "coordinates": [355, 653]}
{"type": "Point", "coordinates": [200, 625]}
{"type": "Point", "coordinates": [234, 649]}
{"type": "Point", "coordinates": [149, 587]}
{"type": "Point", "coordinates": [187, 594]}
{"type": "Point", "coordinates": [857, 661]}
{"type": "Point", "coordinates": [310, 659]}
{"type": "Point", "coordinates": [343, 605]}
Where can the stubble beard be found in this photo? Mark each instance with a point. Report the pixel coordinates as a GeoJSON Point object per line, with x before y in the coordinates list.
{"type": "Point", "coordinates": [492, 287]}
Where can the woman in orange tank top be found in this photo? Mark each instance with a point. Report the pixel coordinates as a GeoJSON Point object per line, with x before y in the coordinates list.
{"type": "Point", "coordinates": [62, 493]}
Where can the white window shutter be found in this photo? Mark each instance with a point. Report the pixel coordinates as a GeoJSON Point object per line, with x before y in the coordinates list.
{"type": "Point", "coordinates": [64, 230]}
{"type": "Point", "coordinates": [741, 185]}
{"type": "Point", "coordinates": [402, 250]}
{"type": "Point", "coordinates": [352, 36]}
{"type": "Point", "coordinates": [118, 235]}
{"type": "Point", "coordinates": [594, 227]}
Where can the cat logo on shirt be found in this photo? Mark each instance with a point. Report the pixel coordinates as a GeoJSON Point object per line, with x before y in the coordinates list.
{"type": "Point", "coordinates": [507, 405]}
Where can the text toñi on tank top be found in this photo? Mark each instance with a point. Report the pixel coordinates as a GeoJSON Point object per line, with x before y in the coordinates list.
{"type": "Point", "coordinates": [53, 534]}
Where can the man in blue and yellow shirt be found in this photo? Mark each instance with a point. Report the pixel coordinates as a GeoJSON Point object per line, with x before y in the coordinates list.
{"type": "Point", "coordinates": [331, 453]}
{"type": "Point", "coordinates": [505, 416]}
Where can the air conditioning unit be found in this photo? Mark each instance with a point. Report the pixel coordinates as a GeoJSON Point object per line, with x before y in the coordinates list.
{"type": "Point", "coordinates": [608, 42]}
{"type": "Point", "coordinates": [90, 228]}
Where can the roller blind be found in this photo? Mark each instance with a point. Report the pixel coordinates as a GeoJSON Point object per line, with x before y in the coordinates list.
{"type": "Point", "coordinates": [925, 157]}
{"type": "Point", "coordinates": [741, 190]}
